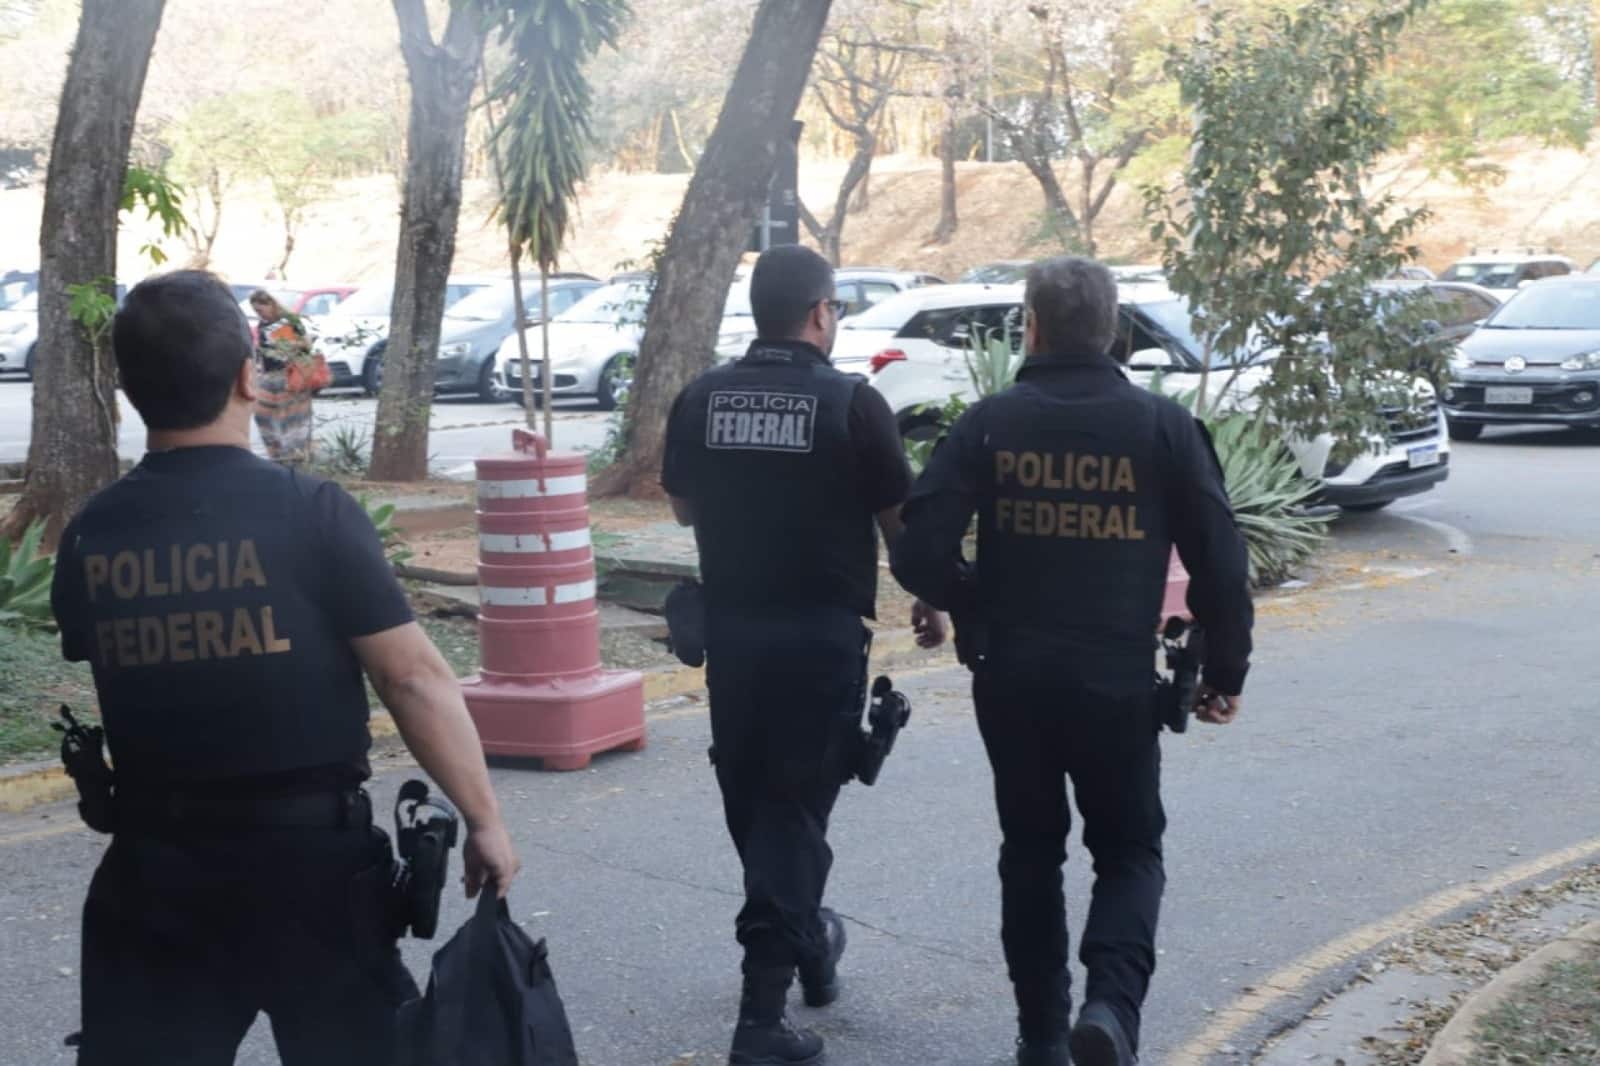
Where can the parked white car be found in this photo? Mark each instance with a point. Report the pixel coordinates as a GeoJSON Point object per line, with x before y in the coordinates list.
{"type": "Point", "coordinates": [593, 343]}
{"type": "Point", "coordinates": [912, 348]}
{"type": "Point", "coordinates": [355, 334]}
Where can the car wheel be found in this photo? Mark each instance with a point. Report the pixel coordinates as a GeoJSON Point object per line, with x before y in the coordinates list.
{"type": "Point", "coordinates": [372, 373]}
{"type": "Point", "coordinates": [27, 364]}
{"type": "Point", "coordinates": [613, 384]}
{"type": "Point", "coordinates": [918, 426]}
{"type": "Point", "coordinates": [1366, 508]}
{"type": "Point", "coordinates": [486, 381]}
{"type": "Point", "coordinates": [1464, 430]}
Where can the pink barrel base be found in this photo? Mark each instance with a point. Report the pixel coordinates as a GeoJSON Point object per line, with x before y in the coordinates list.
{"type": "Point", "coordinates": [562, 722]}
{"type": "Point", "coordinates": [1175, 602]}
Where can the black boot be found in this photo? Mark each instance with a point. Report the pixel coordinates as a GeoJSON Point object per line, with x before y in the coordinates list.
{"type": "Point", "coordinates": [1044, 1014]}
{"type": "Point", "coordinates": [764, 1036]}
{"type": "Point", "coordinates": [1099, 1038]}
{"type": "Point", "coordinates": [819, 979]}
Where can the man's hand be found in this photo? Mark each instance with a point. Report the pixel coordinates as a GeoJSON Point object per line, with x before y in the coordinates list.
{"type": "Point", "coordinates": [1216, 707]}
{"type": "Point", "coordinates": [928, 624]}
{"type": "Point", "coordinates": [488, 857]}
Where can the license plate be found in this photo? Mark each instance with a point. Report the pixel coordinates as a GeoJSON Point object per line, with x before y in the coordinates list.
{"type": "Point", "coordinates": [1508, 394]}
{"type": "Point", "coordinates": [1426, 455]}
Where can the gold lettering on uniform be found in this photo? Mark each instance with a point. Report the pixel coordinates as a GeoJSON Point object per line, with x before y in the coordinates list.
{"type": "Point", "coordinates": [1113, 528]}
{"type": "Point", "coordinates": [247, 568]}
{"type": "Point", "coordinates": [96, 571]}
{"type": "Point", "coordinates": [152, 587]}
{"type": "Point", "coordinates": [274, 643]}
{"type": "Point", "coordinates": [1002, 513]}
{"type": "Point", "coordinates": [1122, 481]}
{"type": "Point", "coordinates": [1005, 464]}
{"type": "Point", "coordinates": [105, 637]}
{"type": "Point", "coordinates": [1023, 520]}
{"type": "Point", "coordinates": [1089, 519]}
{"type": "Point", "coordinates": [1028, 469]}
{"type": "Point", "coordinates": [1085, 479]}
{"type": "Point", "coordinates": [1050, 479]}
{"type": "Point", "coordinates": [176, 569]}
{"type": "Point", "coordinates": [1134, 532]}
{"type": "Point", "coordinates": [199, 580]}
{"type": "Point", "coordinates": [152, 641]}
{"type": "Point", "coordinates": [208, 635]}
{"type": "Point", "coordinates": [180, 637]}
{"type": "Point", "coordinates": [245, 638]}
{"type": "Point", "coordinates": [1067, 520]}
{"type": "Point", "coordinates": [125, 575]}
{"type": "Point", "coordinates": [1044, 519]}
{"type": "Point", "coordinates": [127, 642]}
{"type": "Point", "coordinates": [223, 573]}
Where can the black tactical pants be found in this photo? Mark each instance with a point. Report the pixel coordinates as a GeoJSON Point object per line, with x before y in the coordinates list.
{"type": "Point", "coordinates": [186, 939]}
{"type": "Point", "coordinates": [786, 702]}
{"type": "Point", "coordinates": [1040, 732]}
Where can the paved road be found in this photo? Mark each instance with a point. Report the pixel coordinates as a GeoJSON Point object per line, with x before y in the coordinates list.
{"type": "Point", "coordinates": [1423, 718]}
{"type": "Point", "coordinates": [462, 429]}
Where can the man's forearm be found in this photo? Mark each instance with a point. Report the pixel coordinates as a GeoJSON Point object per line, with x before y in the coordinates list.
{"type": "Point", "coordinates": [433, 720]}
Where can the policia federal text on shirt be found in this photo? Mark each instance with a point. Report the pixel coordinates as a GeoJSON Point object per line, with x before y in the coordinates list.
{"type": "Point", "coordinates": [1082, 482]}
{"type": "Point", "coordinates": [229, 607]}
{"type": "Point", "coordinates": [781, 462]}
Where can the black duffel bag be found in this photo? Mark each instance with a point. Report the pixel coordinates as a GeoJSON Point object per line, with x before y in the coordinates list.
{"type": "Point", "coordinates": [491, 1000]}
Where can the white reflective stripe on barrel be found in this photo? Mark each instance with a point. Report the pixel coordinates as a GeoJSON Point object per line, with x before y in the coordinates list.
{"type": "Point", "coordinates": [499, 596]}
{"type": "Point", "coordinates": [565, 540]}
{"type": "Point", "coordinates": [530, 488]}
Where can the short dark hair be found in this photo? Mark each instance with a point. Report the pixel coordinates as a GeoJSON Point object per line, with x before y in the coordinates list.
{"type": "Point", "coordinates": [788, 281]}
{"type": "Point", "coordinates": [179, 340]}
{"type": "Point", "coordinates": [1074, 305]}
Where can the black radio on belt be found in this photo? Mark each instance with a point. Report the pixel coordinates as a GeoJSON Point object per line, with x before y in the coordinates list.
{"type": "Point", "coordinates": [425, 828]}
{"type": "Point", "coordinates": [889, 713]}
{"type": "Point", "coordinates": [1175, 695]}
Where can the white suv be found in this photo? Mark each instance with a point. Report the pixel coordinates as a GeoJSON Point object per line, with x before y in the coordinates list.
{"type": "Point", "coordinates": [912, 348]}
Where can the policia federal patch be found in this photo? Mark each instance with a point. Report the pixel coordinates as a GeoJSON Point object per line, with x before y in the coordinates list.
{"type": "Point", "coordinates": [761, 421]}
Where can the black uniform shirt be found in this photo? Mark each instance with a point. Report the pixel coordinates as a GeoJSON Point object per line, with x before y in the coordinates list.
{"type": "Point", "coordinates": [859, 475]}
{"type": "Point", "coordinates": [1083, 483]}
{"type": "Point", "coordinates": [215, 595]}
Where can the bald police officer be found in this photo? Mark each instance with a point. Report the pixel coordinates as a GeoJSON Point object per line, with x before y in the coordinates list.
{"type": "Point", "coordinates": [781, 463]}
{"type": "Point", "coordinates": [229, 608]}
{"type": "Point", "coordinates": [1082, 483]}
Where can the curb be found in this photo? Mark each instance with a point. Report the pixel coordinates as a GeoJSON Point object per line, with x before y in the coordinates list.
{"type": "Point", "coordinates": [34, 784]}
{"type": "Point", "coordinates": [1455, 1044]}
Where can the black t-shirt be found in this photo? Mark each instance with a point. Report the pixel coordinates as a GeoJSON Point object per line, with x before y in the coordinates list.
{"type": "Point", "coordinates": [215, 595]}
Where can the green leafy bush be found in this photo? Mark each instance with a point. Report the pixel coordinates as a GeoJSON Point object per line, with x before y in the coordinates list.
{"type": "Point", "coordinates": [25, 579]}
{"type": "Point", "coordinates": [382, 518]}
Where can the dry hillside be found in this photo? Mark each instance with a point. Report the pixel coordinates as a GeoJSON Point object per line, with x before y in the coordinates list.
{"type": "Point", "coordinates": [1546, 200]}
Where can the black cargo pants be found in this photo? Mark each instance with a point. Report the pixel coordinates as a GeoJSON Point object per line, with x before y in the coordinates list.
{"type": "Point", "coordinates": [1040, 732]}
{"type": "Point", "coordinates": [786, 691]}
{"type": "Point", "coordinates": [186, 938]}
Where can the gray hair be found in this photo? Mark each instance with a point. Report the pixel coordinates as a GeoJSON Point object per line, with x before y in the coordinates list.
{"type": "Point", "coordinates": [1074, 305]}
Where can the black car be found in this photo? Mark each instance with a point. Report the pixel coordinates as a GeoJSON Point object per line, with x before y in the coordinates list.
{"type": "Point", "coordinates": [1536, 360]}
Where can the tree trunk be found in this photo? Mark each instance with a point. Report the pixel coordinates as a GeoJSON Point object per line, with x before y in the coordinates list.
{"type": "Point", "coordinates": [73, 448]}
{"type": "Point", "coordinates": [712, 227]}
{"type": "Point", "coordinates": [1058, 211]}
{"type": "Point", "coordinates": [442, 76]}
{"type": "Point", "coordinates": [949, 221]}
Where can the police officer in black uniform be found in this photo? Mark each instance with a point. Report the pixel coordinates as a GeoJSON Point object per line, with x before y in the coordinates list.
{"type": "Point", "coordinates": [229, 608]}
{"type": "Point", "coordinates": [781, 463]}
{"type": "Point", "coordinates": [1082, 483]}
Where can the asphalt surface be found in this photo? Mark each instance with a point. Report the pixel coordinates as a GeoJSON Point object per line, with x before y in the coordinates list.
{"type": "Point", "coordinates": [1421, 716]}
{"type": "Point", "coordinates": [462, 428]}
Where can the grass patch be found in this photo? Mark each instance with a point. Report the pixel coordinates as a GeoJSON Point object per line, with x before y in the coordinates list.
{"type": "Point", "coordinates": [1554, 1020]}
{"type": "Point", "coordinates": [457, 640]}
{"type": "Point", "coordinates": [33, 681]}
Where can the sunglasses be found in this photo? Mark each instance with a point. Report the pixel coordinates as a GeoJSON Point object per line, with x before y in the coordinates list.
{"type": "Point", "coordinates": [838, 306]}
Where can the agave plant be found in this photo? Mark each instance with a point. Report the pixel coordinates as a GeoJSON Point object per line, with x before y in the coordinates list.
{"type": "Point", "coordinates": [25, 579]}
{"type": "Point", "coordinates": [1269, 496]}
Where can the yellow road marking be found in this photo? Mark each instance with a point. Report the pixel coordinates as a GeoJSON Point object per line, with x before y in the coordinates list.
{"type": "Point", "coordinates": [1292, 980]}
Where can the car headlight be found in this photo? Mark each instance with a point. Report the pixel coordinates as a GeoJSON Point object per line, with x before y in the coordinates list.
{"type": "Point", "coordinates": [1459, 360]}
{"type": "Point", "coordinates": [1586, 361]}
{"type": "Point", "coordinates": [455, 351]}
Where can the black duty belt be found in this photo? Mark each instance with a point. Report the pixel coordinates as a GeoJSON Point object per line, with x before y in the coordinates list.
{"type": "Point", "coordinates": [328, 809]}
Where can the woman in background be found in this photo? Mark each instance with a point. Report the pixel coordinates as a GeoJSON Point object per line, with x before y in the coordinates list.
{"type": "Point", "coordinates": [283, 415]}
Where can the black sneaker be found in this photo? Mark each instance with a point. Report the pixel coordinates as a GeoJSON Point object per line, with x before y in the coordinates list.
{"type": "Point", "coordinates": [819, 981]}
{"type": "Point", "coordinates": [1043, 1053]}
{"type": "Point", "coordinates": [775, 1044]}
{"type": "Point", "coordinates": [1098, 1039]}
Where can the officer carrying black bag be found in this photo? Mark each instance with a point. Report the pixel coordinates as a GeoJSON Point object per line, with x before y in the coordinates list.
{"type": "Point", "coordinates": [232, 610]}
{"type": "Point", "coordinates": [1082, 483]}
{"type": "Point", "coordinates": [782, 464]}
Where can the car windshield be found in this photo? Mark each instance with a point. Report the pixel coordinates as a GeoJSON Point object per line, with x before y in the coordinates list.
{"type": "Point", "coordinates": [1489, 275]}
{"type": "Point", "coordinates": [891, 312]}
{"type": "Point", "coordinates": [610, 305]}
{"type": "Point", "coordinates": [369, 301]}
{"type": "Point", "coordinates": [1171, 316]}
{"type": "Point", "coordinates": [488, 304]}
{"type": "Point", "coordinates": [12, 293]}
{"type": "Point", "coordinates": [1548, 306]}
